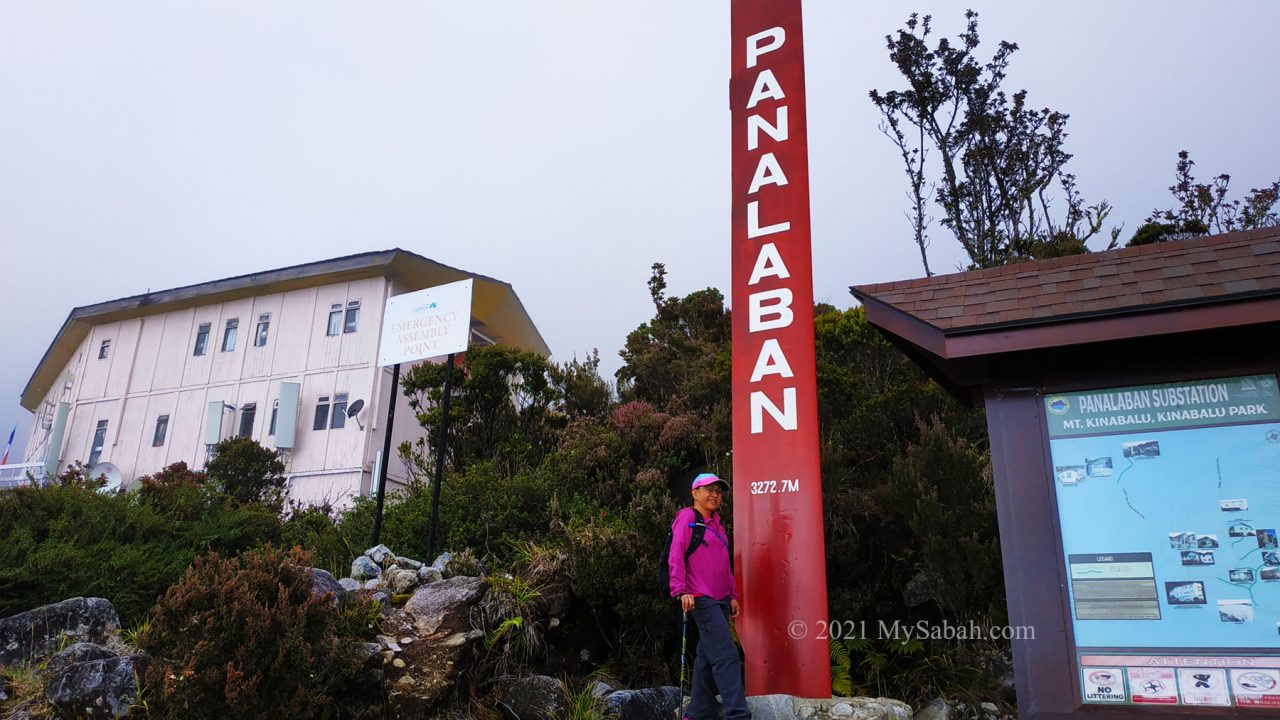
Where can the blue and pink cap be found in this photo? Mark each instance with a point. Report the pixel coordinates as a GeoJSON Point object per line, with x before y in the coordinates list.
{"type": "Point", "coordinates": [708, 479]}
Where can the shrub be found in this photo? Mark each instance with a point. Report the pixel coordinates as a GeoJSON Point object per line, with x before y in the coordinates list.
{"type": "Point", "coordinates": [247, 472]}
{"type": "Point", "coordinates": [945, 483]}
{"type": "Point", "coordinates": [316, 528]}
{"type": "Point", "coordinates": [176, 489]}
{"type": "Point", "coordinates": [483, 507]}
{"type": "Point", "coordinates": [406, 516]}
{"type": "Point", "coordinates": [244, 638]}
{"type": "Point", "coordinates": [68, 539]}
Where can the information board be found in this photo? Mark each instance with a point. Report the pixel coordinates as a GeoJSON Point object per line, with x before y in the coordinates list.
{"type": "Point", "coordinates": [1169, 503]}
{"type": "Point", "coordinates": [426, 323]}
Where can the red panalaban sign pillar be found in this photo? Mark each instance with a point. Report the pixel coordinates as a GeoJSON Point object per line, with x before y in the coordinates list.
{"type": "Point", "coordinates": [777, 487]}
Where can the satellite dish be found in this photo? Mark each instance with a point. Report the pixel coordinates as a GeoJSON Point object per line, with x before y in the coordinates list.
{"type": "Point", "coordinates": [113, 476]}
{"type": "Point", "coordinates": [353, 410]}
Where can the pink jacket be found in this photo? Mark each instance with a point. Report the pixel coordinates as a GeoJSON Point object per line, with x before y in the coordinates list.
{"type": "Point", "coordinates": [710, 570]}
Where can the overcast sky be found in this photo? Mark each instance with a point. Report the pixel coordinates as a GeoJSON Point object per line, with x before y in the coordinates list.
{"type": "Point", "coordinates": [560, 146]}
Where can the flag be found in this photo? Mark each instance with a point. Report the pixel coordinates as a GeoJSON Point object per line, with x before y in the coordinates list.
{"type": "Point", "coordinates": [13, 431]}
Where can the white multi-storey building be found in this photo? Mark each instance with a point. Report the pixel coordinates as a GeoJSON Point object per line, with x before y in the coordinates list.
{"type": "Point", "coordinates": [282, 356]}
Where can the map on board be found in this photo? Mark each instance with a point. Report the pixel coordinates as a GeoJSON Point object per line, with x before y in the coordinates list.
{"type": "Point", "coordinates": [1169, 506]}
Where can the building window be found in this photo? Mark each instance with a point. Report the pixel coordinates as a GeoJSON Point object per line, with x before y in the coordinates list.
{"type": "Point", "coordinates": [104, 349]}
{"type": "Point", "coordinates": [322, 414]}
{"type": "Point", "coordinates": [162, 429]}
{"type": "Point", "coordinates": [202, 339]}
{"type": "Point", "coordinates": [264, 325]}
{"type": "Point", "coordinates": [335, 320]}
{"type": "Point", "coordinates": [353, 316]}
{"type": "Point", "coordinates": [275, 410]}
{"type": "Point", "coordinates": [229, 335]}
{"type": "Point", "coordinates": [247, 413]}
{"type": "Point", "coordinates": [339, 419]}
{"type": "Point", "coordinates": [99, 440]}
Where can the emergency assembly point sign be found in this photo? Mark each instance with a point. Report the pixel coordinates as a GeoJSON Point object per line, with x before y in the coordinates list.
{"type": "Point", "coordinates": [426, 323]}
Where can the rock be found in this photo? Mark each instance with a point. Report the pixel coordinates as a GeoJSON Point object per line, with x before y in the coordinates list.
{"type": "Point", "coordinates": [434, 628]}
{"type": "Point", "coordinates": [378, 554]}
{"type": "Point", "coordinates": [919, 590]}
{"type": "Point", "coordinates": [442, 561]}
{"type": "Point", "coordinates": [349, 585]}
{"type": "Point", "coordinates": [536, 697]}
{"type": "Point", "coordinates": [97, 688]}
{"type": "Point", "coordinates": [34, 635]}
{"type": "Point", "coordinates": [553, 600]}
{"type": "Point", "coordinates": [990, 707]}
{"type": "Point", "coordinates": [368, 651]}
{"type": "Point", "coordinates": [883, 708]}
{"type": "Point", "coordinates": [79, 652]}
{"type": "Point", "coordinates": [455, 640]}
{"type": "Point", "coordinates": [408, 563]}
{"type": "Point", "coordinates": [464, 563]}
{"type": "Point", "coordinates": [648, 704]}
{"type": "Point", "coordinates": [428, 574]}
{"type": "Point", "coordinates": [388, 643]}
{"type": "Point", "coordinates": [431, 605]}
{"type": "Point", "coordinates": [857, 708]}
{"type": "Point", "coordinates": [400, 581]}
{"type": "Point", "coordinates": [397, 663]}
{"type": "Point", "coordinates": [772, 707]}
{"type": "Point", "coordinates": [938, 709]}
{"type": "Point", "coordinates": [599, 689]}
{"type": "Point", "coordinates": [325, 584]}
{"type": "Point", "coordinates": [374, 584]}
{"type": "Point", "coordinates": [363, 568]}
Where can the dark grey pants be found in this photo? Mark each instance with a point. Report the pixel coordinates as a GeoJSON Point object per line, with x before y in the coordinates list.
{"type": "Point", "coordinates": [717, 665]}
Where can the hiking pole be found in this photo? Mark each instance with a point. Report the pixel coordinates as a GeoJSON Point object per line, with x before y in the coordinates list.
{"type": "Point", "coordinates": [684, 638]}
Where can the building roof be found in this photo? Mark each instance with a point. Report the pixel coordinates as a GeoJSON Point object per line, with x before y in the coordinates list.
{"type": "Point", "coordinates": [494, 303]}
{"type": "Point", "coordinates": [1213, 268]}
{"type": "Point", "coordinates": [1203, 283]}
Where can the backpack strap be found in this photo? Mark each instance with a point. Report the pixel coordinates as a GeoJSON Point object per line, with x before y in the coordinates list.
{"type": "Point", "coordinates": [696, 538]}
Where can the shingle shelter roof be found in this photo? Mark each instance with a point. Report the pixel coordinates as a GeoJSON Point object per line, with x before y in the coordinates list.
{"type": "Point", "coordinates": [1216, 268]}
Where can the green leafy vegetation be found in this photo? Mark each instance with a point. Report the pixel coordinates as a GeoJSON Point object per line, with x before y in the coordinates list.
{"type": "Point", "coordinates": [1203, 208]}
{"type": "Point", "coordinates": [245, 637]}
{"type": "Point", "coordinates": [70, 539]}
{"type": "Point", "coordinates": [246, 472]}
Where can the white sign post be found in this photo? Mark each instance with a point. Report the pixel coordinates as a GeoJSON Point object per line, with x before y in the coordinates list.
{"type": "Point", "coordinates": [426, 323]}
{"type": "Point", "coordinates": [416, 326]}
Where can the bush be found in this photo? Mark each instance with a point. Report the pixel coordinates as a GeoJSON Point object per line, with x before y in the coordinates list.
{"type": "Point", "coordinates": [943, 485]}
{"type": "Point", "coordinates": [317, 529]}
{"type": "Point", "coordinates": [486, 509]}
{"type": "Point", "coordinates": [247, 472]}
{"type": "Point", "coordinates": [245, 638]}
{"type": "Point", "coordinates": [68, 539]}
{"type": "Point", "coordinates": [406, 516]}
{"type": "Point", "coordinates": [176, 490]}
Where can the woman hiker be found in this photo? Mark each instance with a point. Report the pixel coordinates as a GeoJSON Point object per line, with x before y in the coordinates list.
{"type": "Point", "coordinates": [704, 585]}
